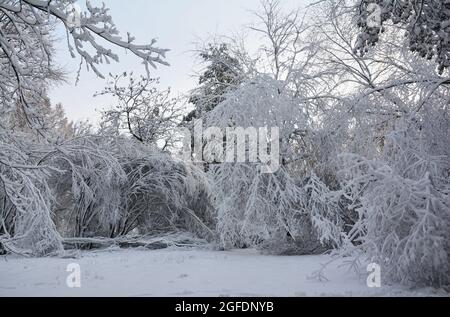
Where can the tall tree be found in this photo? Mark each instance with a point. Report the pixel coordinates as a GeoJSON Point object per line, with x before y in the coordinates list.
{"type": "Point", "coordinates": [26, 69]}
{"type": "Point", "coordinates": [26, 46]}
{"type": "Point", "coordinates": [223, 72]}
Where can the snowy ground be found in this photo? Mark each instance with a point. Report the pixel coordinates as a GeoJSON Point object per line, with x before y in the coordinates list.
{"type": "Point", "coordinates": [177, 272]}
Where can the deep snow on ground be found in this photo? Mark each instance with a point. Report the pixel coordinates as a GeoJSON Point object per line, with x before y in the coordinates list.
{"type": "Point", "coordinates": [175, 272]}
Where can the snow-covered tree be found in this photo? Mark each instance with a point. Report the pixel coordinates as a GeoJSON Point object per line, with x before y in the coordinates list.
{"type": "Point", "coordinates": [222, 73]}
{"type": "Point", "coordinates": [26, 70]}
{"type": "Point", "coordinates": [144, 112]}
{"type": "Point", "coordinates": [390, 112]}
{"type": "Point", "coordinates": [288, 211]}
{"type": "Point", "coordinates": [26, 46]}
{"type": "Point", "coordinates": [281, 34]}
{"type": "Point", "coordinates": [426, 23]}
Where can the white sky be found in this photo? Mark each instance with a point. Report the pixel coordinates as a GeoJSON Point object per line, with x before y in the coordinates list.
{"type": "Point", "coordinates": [177, 24]}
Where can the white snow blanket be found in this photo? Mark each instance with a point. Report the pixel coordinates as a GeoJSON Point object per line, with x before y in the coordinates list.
{"type": "Point", "coordinates": [185, 273]}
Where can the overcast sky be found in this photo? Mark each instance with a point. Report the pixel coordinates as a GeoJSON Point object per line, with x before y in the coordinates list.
{"type": "Point", "coordinates": [177, 25]}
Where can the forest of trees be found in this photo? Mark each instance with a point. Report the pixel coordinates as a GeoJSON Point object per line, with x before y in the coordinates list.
{"type": "Point", "coordinates": [364, 119]}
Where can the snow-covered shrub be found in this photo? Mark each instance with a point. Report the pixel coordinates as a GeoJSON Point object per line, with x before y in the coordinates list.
{"type": "Point", "coordinates": [114, 186]}
{"type": "Point", "coordinates": [274, 211]}
{"type": "Point", "coordinates": [88, 193]}
{"type": "Point", "coordinates": [254, 207]}
{"type": "Point", "coordinates": [163, 194]}
{"type": "Point", "coordinates": [324, 209]}
{"type": "Point", "coordinates": [26, 226]}
{"type": "Point", "coordinates": [403, 205]}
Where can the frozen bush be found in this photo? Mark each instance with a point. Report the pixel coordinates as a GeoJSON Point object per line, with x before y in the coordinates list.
{"type": "Point", "coordinates": [403, 207]}
{"type": "Point", "coordinates": [274, 212]}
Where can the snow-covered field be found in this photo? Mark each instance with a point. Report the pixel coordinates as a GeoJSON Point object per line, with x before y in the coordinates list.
{"type": "Point", "coordinates": [174, 272]}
